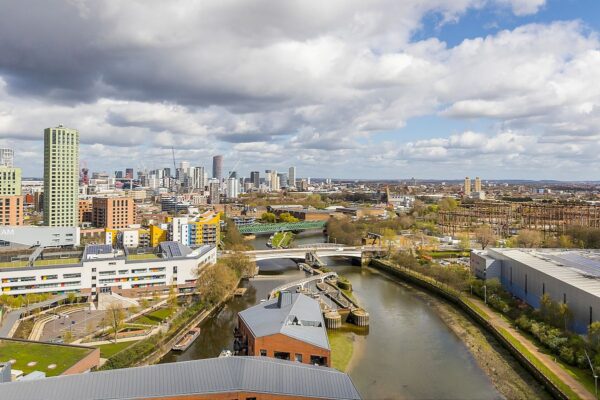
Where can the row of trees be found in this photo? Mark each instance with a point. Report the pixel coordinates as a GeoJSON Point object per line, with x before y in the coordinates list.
{"type": "Point", "coordinates": [269, 217]}
{"type": "Point", "coordinates": [343, 230]}
{"type": "Point", "coordinates": [218, 280]}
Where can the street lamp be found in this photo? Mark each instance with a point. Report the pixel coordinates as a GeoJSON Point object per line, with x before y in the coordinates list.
{"type": "Point", "coordinates": [593, 373]}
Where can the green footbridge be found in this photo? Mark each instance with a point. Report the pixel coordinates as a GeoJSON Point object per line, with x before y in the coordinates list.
{"type": "Point", "coordinates": [279, 227]}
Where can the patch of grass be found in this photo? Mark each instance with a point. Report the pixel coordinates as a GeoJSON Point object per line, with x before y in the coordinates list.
{"type": "Point", "coordinates": [154, 318]}
{"type": "Point", "coordinates": [109, 350]}
{"type": "Point", "coordinates": [13, 264]}
{"type": "Point", "coordinates": [44, 354]}
{"type": "Point", "coordinates": [149, 256]}
{"type": "Point", "coordinates": [342, 347]}
{"type": "Point", "coordinates": [282, 239]}
{"type": "Point", "coordinates": [539, 364]}
{"type": "Point", "coordinates": [58, 261]}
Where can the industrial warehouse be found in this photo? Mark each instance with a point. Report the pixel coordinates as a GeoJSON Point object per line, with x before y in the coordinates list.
{"type": "Point", "coordinates": [568, 276]}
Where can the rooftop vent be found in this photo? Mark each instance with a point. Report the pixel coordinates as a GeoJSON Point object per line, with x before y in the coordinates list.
{"type": "Point", "coordinates": [284, 299]}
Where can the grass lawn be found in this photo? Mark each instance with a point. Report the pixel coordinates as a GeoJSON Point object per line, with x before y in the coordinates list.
{"type": "Point", "coordinates": [44, 354]}
{"type": "Point", "coordinates": [149, 256]}
{"type": "Point", "coordinates": [342, 347]}
{"type": "Point", "coordinates": [282, 239]}
{"type": "Point", "coordinates": [109, 350]}
{"type": "Point", "coordinates": [154, 318]}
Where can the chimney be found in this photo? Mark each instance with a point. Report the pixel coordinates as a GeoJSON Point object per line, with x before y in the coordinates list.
{"type": "Point", "coordinates": [284, 299]}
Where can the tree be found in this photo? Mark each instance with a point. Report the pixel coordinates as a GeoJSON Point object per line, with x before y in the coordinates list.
{"type": "Point", "coordinates": [447, 204]}
{"type": "Point", "coordinates": [287, 217]}
{"type": "Point", "coordinates": [464, 241]}
{"type": "Point", "coordinates": [71, 298]}
{"type": "Point", "coordinates": [215, 282]}
{"type": "Point", "coordinates": [233, 239]}
{"type": "Point", "coordinates": [566, 314]}
{"type": "Point", "coordinates": [172, 298]}
{"type": "Point", "coordinates": [268, 217]}
{"type": "Point", "coordinates": [114, 318]}
{"type": "Point", "coordinates": [529, 238]}
{"type": "Point", "coordinates": [594, 335]}
{"type": "Point", "coordinates": [241, 264]}
{"type": "Point", "coordinates": [485, 236]}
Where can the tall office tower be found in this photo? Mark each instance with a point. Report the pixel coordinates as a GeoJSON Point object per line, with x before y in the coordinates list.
{"type": "Point", "coordinates": [10, 181]}
{"type": "Point", "coordinates": [273, 181]}
{"type": "Point", "coordinates": [61, 176]}
{"type": "Point", "coordinates": [283, 180]}
{"type": "Point", "coordinates": [119, 174]}
{"type": "Point", "coordinates": [477, 184]}
{"type": "Point", "coordinates": [129, 173]}
{"type": "Point", "coordinates": [166, 173]}
{"type": "Point", "coordinates": [255, 178]}
{"type": "Point", "coordinates": [292, 177]}
{"type": "Point", "coordinates": [218, 167]}
{"type": "Point", "coordinates": [7, 157]}
{"type": "Point", "coordinates": [197, 178]}
{"type": "Point", "coordinates": [467, 186]}
{"type": "Point", "coordinates": [213, 187]}
{"type": "Point", "coordinates": [233, 187]}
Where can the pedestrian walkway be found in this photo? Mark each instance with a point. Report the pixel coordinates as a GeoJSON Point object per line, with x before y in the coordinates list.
{"type": "Point", "coordinates": [498, 322]}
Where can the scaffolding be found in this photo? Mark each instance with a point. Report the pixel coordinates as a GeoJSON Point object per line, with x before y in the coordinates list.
{"type": "Point", "coordinates": [506, 217]}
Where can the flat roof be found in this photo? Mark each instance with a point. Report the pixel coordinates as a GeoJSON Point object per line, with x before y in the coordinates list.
{"type": "Point", "coordinates": [300, 318]}
{"type": "Point", "coordinates": [209, 376]}
{"type": "Point", "coordinates": [578, 268]}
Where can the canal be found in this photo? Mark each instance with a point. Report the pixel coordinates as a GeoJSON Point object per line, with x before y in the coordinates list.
{"type": "Point", "coordinates": [408, 352]}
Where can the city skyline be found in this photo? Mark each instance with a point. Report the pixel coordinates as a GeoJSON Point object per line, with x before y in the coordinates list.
{"type": "Point", "coordinates": [504, 88]}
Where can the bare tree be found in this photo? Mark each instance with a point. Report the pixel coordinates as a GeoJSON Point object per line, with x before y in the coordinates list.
{"type": "Point", "coordinates": [114, 318]}
{"type": "Point", "coordinates": [485, 236]}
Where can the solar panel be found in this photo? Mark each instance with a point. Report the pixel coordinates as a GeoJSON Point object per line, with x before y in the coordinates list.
{"type": "Point", "coordinates": [99, 249]}
{"type": "Point", "coordinates": [586, 266]}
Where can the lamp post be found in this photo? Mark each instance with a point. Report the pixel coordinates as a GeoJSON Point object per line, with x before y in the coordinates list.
{"type": "Point", "coordinates": [485, 294]}
{"type": "Point", "coordinates": [593, 373]}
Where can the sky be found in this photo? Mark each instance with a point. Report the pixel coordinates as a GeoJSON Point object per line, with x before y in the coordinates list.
{"type": "Point", "coordinates": [378, 89]}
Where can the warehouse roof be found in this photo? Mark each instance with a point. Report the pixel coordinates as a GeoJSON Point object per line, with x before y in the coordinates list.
{"type": "Point", "coordinates": [291, 314]}
{"type": "Point", "coordinates": [209, 376]}
{"type": "Point", "coordinates": [578, 268]}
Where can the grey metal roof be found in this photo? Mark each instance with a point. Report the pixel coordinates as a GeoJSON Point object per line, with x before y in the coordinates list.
{"type": "Point", "coordinates": [215, 375]}
{"type": "Point", "coordinates": [294, 319]}
{"type": "Point", "coordinates": [565, 265]}
{"type": "Point", "coordinates": [174, 249]}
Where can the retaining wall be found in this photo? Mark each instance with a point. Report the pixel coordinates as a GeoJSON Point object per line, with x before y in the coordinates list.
{"type": "Point", "coordinates": [554, 390]}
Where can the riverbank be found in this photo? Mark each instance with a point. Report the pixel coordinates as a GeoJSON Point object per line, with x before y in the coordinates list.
{"type": "Point", "coordinates": [505, 373]}
{"type": "Point", "coordinates": [549, 373]}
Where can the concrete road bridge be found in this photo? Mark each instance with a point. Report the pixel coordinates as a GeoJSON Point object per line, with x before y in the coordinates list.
{"type": "Point", "coordinates": [320, 250]}
{"type": "Point", "coordinates": [281, 227]}
{"type": "Point", "coordinates": [301, 283]}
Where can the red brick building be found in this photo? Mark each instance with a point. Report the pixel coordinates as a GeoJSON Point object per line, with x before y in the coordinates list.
{"type": "Point", "coordinates": [113, 212]}
{"type": "Point", "coordinates": [289, 327]}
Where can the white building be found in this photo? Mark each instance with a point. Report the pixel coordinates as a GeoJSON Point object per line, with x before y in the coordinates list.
{"type": "Point", "coordinates": [233, 187]}
{"type": "Point", "coordinates": [103, 270]}
{"type": "Point", "coordinates": [571, 277]}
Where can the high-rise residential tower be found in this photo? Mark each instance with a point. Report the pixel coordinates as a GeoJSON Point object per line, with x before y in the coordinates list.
{"type": "Point", "coordinates": [477, 185]}
{"type": "Point", "coordinates": [6, 157]}
{"type": "Point", "coordinates": [467, 186]}
{"type": "Point", "coordinates": [292, 177]}
{"type": "Point", "coordinates": [10, 181]}
{"type": "Point", "coordinates": [61, 176]}
{"type": "Point", "coordinates": [218, 167]}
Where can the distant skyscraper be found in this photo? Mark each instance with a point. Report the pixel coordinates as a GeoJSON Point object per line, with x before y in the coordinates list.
{"type": "Point", "coordinates": [477, 185]}
{"type": "Point", "coordinates": [129, 173]}
{"type": "Point", "coordinates": [292, 177]}
{"type": "Point", "coordinates": [213, 187]}
{"type": "Point", "coordinates": [7, 157]}
{"type": "Point", "coordinates": [273, 181]}
{"type": "Point", "coordinates": [233, 187]}
{"type": "Point", "coordinates": [467, 186]}
{"type": "Point", "coordinates": [61, 176]}
{"type": "Point", "coordinates": [118, 174]}
{"type": "Point", "coordinates": [218, 167]}
{"type": "Point", "coordinates": [197, 178]}
{"type": "Point", "coordinates": [255, 178]}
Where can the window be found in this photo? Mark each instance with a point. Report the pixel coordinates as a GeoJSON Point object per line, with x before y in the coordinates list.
{"type": "Point", "coordinates": [263, 353]}
{"type": "Point", "coordinates": [299, 357]}
{"type": "Point", "coordinates": [282, 355]}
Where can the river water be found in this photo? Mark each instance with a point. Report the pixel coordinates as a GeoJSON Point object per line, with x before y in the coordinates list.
{"type": "Point", "coordinates": [407, 353]}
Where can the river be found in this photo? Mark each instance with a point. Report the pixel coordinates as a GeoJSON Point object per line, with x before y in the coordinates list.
{"type": "Point", "coordinates": [408, 352]}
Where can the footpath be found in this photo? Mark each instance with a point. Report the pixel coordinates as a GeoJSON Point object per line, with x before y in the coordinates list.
{"type": "Point", "coordinates": [499, 322]}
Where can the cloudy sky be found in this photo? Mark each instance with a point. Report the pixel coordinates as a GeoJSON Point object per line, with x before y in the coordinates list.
{"type": "Point", "coordinates": [339, 88]}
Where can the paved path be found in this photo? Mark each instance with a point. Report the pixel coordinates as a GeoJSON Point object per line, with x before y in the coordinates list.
{"type": "Point", "coordinates": [496, 320]}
